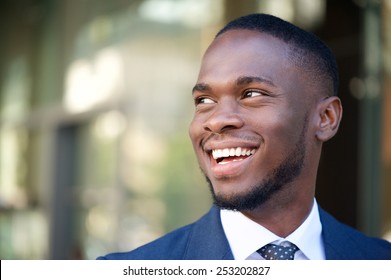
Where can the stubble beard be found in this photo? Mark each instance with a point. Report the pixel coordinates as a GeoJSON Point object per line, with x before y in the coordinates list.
{"type": "Point", "coordinates": [282, 175]}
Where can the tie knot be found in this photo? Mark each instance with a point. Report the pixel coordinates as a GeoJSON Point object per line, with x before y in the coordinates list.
{"type": "Point", "coordinates": [278, 252]}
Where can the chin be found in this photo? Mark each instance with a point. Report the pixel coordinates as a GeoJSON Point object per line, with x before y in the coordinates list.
{"type": "Point", "coordinates": [246, 200]}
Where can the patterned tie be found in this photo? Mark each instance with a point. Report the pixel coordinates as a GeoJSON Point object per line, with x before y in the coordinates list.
{"type": "Point", "coordinates": [277, 252]}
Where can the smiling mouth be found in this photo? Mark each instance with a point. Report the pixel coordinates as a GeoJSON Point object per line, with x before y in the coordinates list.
{"type": "Point", "coordinates": [227, 155]}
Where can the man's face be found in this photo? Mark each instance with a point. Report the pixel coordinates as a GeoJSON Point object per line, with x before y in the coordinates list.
{"type": "Point", "coordinates": [251, 118]}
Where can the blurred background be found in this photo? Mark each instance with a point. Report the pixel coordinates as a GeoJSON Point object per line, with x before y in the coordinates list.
{"type": "Point", "coordinates": [95, 102]}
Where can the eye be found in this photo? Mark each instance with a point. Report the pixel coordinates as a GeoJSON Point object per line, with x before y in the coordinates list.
{"type": "Point", "coordinates": [252, 93]}
{"type": "Point", "coordinates": [203, 100]}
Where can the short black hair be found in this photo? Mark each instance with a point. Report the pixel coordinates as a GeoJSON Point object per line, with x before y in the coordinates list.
{"type": "Point", "coordinates": [306, 50]}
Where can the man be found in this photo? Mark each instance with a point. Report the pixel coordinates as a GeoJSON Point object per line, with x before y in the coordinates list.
{"type": "Point", "coordinates": [265, 101]}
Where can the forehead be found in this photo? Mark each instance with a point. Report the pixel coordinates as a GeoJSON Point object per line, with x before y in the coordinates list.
{"type": "Point", "coordinates": [244, 52]}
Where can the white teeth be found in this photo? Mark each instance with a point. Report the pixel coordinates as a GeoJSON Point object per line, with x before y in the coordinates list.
{"type": "Point", "coordinates": [220, 153]}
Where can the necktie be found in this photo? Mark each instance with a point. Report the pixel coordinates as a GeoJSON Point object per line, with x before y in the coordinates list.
{"type": "Point", "coordinates": [278, 252]}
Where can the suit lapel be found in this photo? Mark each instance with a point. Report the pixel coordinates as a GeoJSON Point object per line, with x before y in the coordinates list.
{"type": "Point", "coordinates": [338, 243]}
{"type": "Point", "coordinates": [207, 240]}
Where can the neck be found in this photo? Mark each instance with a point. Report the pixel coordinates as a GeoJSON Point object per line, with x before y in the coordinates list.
{"type": "Point", "coordinates": [282, 217]}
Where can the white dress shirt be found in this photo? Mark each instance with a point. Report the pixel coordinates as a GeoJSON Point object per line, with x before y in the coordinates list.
{"type": "Point", "coordinates": [245, 236]}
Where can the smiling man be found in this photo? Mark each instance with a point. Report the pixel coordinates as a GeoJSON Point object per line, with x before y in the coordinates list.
{"type": "Point", "coordinates": [265, 102]}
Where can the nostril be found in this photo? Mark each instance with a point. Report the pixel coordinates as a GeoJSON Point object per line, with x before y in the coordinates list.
{"type": "Point", "coordinates": [228, 127]}
{"type": "Point", "coordinates": [219, 123]}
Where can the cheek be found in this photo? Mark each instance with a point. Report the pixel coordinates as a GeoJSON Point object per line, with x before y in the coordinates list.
{"type": "Point", "coordinates": [279, 130]}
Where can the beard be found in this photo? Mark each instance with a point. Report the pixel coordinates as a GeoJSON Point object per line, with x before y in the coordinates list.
{"type": "Point", "coordinates": [283, 174]}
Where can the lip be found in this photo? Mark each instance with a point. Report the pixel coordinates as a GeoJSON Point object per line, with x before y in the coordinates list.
{"type": "Point", "coordinates": [230, 169]}
{"type": "Point", "coordinates": [215, 145]}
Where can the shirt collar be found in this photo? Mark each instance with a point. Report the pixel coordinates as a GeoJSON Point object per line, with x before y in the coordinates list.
{"type": "Point", "coordinates": [246, 236]}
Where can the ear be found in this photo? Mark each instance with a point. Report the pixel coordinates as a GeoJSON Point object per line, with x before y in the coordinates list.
{"type": "Point", "coordinates": [329, 112]}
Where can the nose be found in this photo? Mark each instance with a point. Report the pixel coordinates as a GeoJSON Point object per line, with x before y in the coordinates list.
{"type": "Point", "coordinates": [225, 116]}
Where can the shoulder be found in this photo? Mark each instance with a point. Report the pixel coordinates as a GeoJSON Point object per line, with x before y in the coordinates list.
{"type": "Point", "coordinates": [344, 242]}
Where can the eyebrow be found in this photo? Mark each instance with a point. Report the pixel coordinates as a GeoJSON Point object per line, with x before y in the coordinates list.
{"type": "Point", "coordinates": [242, 80]}
{"type": "Point", "coordinates": [202, 87]}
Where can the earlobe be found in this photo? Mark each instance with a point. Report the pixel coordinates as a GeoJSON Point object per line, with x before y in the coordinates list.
{"type": "Point", "coordinates": [330, 114]}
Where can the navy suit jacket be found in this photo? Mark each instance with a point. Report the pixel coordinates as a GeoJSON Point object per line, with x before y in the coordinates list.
{"type": "Point", "coordinates": [205, 240]}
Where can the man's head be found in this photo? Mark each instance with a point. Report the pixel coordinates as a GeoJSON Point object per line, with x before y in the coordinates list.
{"type": "Point", "coordinates": [264, 105]}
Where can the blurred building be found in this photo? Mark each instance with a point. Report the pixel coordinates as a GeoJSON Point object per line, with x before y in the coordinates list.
{"type": "Point", "coordinates": [95, 101]}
